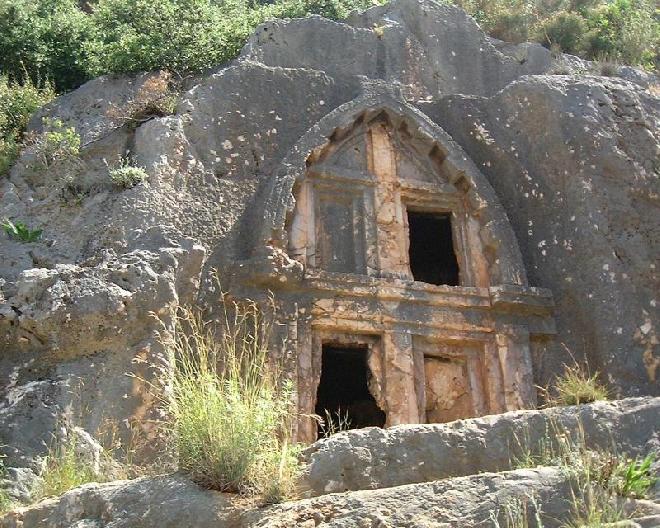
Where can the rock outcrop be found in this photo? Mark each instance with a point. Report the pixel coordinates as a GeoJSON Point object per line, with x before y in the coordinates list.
{"type": "Point", "coordinates": [381, 458]}
{"type": "Point", "coordinates": [567, 162]}
{"type": "Point", "coordinates": [412, 493]}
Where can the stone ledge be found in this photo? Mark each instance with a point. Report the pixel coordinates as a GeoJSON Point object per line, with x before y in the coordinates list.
{"type": "Point", "coordinates": [375, 458]}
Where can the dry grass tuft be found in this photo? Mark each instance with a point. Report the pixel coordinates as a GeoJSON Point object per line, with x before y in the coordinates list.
{"type": "Point", "coordinates": [231, 411]}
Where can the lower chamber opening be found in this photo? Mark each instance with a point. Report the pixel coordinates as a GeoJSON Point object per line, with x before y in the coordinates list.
{"type": "Point", "coordinates": [343, 392]}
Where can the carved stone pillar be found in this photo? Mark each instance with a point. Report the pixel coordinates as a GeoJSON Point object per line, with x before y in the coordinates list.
{"type": "Point", "coordinates": [401, 395]}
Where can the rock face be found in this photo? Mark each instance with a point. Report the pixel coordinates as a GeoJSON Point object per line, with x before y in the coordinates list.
{"type": "Point", "coordinates": [171, 502]}
{"type": "Point", "coordinates": [413, 493]}
{"type": "Point", "coordinates": [380, 458]}
{"type": "Point", "coordinates": [302, 168]}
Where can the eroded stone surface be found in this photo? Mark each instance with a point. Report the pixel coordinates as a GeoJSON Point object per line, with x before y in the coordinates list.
{"type": "Point", "coordinates": [376, 458]}
{"type": "Point", "coordinates": [555, 175]}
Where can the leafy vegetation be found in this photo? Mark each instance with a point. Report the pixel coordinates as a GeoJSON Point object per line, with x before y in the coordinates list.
{"type": "Point", "coordinates": [17, 104]}
{"type": "Point", "coordinates": [126, 176]}
{"type": "Point", "coordinates": [634, 478]}
{"type": "Point", "coordinates": [627, 31]}
{"type": "Point", "coordinates": [60, 44]}
{"type": "Point", "coordinates": [230, 410]}
{"type": "Point", "coordinates": [6, 503]}
{"type": "Point", "coordinates": [597, 477]}
{"type": "Point", "coordinates": [21, 232]}
{"type": "Point", "coordinates": [68, 44]}
{"type": "Point", "coordinates": [57, 144]}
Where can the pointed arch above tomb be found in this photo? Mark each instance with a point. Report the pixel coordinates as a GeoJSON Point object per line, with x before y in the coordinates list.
{"type": "Point", "coordinates": [426, 157]}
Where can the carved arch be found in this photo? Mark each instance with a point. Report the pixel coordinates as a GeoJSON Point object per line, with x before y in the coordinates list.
{"type": "Point", "coordinates": [422, 144]}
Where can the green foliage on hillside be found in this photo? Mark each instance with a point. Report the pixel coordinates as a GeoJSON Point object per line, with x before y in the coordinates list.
{"type": "Point", "coordinates": [67, 42]}
{"type": "Point", "coordinates": [626, 31]}
{"type": "Point", "coordinates": [17, 103]}
{"type": "Point", "coordinates": [58, 41]}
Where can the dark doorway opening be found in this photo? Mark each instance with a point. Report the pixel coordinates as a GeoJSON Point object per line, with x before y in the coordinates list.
{"type": "Point", "coordinates": [432, 255]}
{"type": "Point", "coordinates": [343, 389]}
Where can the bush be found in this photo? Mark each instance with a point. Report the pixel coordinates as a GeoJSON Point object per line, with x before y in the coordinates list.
{"type": "Point", "coordinates": [623, 30]}
{"type": "Point", "coordinates": [231, 412]}
{"type": "Point", "coordinates": [126, 176]}
{"type": "Point", "coordinates": [44, 39]}
{"type": "Point", "coordinates": [17, 104]}
{"type": "Point", "coordinates": [564, 30]}
{"type": "Point", "coordinates": [57, 144]}
{"type": "Point", "coordinates": [59, 41]}
{"type": "Point", "coordinates": [186, 36]}
{"type": "Point", "coordinates": [626, 31]}
{"type": "Point", "coordinates": [6, 502]}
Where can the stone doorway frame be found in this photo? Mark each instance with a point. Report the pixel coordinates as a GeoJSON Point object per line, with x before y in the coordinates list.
{"type": "Point", "coordinates": [324, 336]}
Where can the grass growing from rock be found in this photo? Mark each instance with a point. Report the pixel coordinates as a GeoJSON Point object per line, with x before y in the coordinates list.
{"type": "Point", "coordinates": [577, 386]}
{"type": "Point", "coordinates": [126, 176]}
{"type": "Point", "coordinates": [18, 101]}
{"type": "Point", "coordinates": [63, 470]}
{"type": "Point", "coordinates": [230, 411]}
{"type": "Point", "coordinates": [599, 478]}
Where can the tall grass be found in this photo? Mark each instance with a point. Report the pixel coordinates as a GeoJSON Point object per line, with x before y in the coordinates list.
{"type": "Point", "coordinates": [599, 478]}
{"type": "Point", "coordinates": [518, 513]}
{"type": "Point", "coordinates": [64, 469]}
{"type": "Point", "coordinates": [230, 409]}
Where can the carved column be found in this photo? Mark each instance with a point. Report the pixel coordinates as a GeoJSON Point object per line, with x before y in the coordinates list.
{"type": "Point", "coordinates": [515, 360]}
{"type": "Point", "coordinates": [392, 253]}
{"type": "Point", "coordinates": [401, 395]}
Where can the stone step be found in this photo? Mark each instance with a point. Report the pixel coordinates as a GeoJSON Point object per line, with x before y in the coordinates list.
{"type": "Point", "coordinates": [376, 458]}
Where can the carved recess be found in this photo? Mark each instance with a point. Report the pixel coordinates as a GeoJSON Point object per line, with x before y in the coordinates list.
{"type": "Point", "coordinates": [340, 213]}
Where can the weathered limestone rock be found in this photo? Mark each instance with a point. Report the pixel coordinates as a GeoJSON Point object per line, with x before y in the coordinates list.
{"type": "Point", "coordinates": [163, 502]}
{"type": "Point", "coordinates": [173, 502]}
{"type": "Point", "coordinates": [555, 149]}
{"type": "Point", "coordinates": [401, 477]}
{"type": "Point", "coordinates": [377, 458]}
{"type": "Point", "coordinates": [297, 168]}
{"type": "Point", "coordinates": [79, 330]}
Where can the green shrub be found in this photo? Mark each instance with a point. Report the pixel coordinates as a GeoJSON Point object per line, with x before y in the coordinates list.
{"type": "Point", "coordinates": [59, 41]}
{"type": "Point", "coordinates": [6, 502]}
{"type": "Point", "coordinates": [624, 30]}
{"type": "Point", "coordinates": [564, 30]}
{"type": "Point", "coordinates": [63, 470]}
{"type": "Point", "coordinates": [231, 412]}
{"type": "Point", "coordinates": [21, 232]}
{"type": "Point", "coordinates": [57, 144]}
{"type": "Point", "coordinates": [17, 104]}
{"type": "Point", "coordinates": [45, 40]}
{"type": "Point", "coordinates": [187, 35]}
{"type": "Point", "coordinates": [126, 176]}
